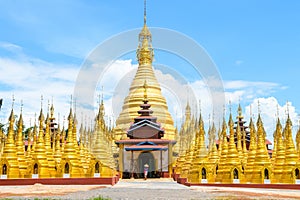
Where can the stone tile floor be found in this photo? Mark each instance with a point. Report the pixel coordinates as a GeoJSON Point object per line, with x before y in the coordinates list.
{"type": "Point", "coordinates": [142, 189]}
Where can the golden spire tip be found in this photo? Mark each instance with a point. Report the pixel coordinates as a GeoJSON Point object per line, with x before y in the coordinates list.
{"type": "Point", "coordinates": [13, 101]}
{"type": "Point", "coordinates": [145, 14]}
{"type": "Point", "coordinates": [21, 106]}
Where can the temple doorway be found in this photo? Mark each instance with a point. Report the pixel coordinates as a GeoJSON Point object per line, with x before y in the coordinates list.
{"type": "Point", "coordinates": [147, 158]}
{"type": "Point", "coordinates": [35, 169]}
{"type": "Point", "coordinates": [297, 174]}
{"type": "Point", "coordinates": [266, 174]}
{"type": "Point", "coordinates": [235, 174]}
{"type": "Point", "coordinates": [4, 169]}
{"type": "Point", "coordinates": [203, 173]}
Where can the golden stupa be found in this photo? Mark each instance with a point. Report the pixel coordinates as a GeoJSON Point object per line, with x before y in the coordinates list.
{"type": "Point", "coordinates": [132, 102]}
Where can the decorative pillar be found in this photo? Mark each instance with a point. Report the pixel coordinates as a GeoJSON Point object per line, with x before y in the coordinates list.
{"type": "Point", "coordinates": [170, 159]}
{"type": "Point", "coordinates": [121, 160]}
{"type": "Point", "coordinates": [132, 167]}
{"type": "Point", "coordinates": [161, 167]}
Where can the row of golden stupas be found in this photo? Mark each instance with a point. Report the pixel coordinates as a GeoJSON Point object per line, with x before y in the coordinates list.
{"type": "Point", "coordinates": [49, 152]}
{"type": "Point", "coordinates": [232, 160]}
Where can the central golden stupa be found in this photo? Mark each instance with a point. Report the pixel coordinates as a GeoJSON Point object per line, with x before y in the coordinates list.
{"type": "Point", "coordinates": [132, 102]}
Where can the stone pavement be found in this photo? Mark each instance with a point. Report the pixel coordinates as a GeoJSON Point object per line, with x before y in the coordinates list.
{"type": "Point", "coordinates": [137, 189]}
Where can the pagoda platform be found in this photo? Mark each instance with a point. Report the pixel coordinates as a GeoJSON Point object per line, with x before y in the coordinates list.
{"type": "Point", "coordinates": [250, 185]}
{"type": "Point", "coordinates": [61, 181]}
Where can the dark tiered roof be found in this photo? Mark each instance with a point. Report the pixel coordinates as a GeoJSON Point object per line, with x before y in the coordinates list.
{"type": "Point", "coordinates": [145, 126]}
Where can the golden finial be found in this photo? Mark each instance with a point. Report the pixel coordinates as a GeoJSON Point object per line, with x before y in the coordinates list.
{"type": "Point", "coordinates": [71, 101]}
{"type": "Point", "coordinates": [52, 109]}
{"type": "Point", "coordinates": [230, 106]}
{"type": "Point", "coordinates": [102, 95]}
{"type": "Point", "coordinates": [145, 51]}
{"type": "Point", "coordinates": [21, 106]}
{"type": "Point", "coordinates": [70, 117]}
{"type": "Point", "coordinates": [42, 101]}
{"type": "Point", "coordinates": [145, 86]}
{"type": "Point", "coordinates": [145, 4]}
{"type": "Point", "coordinates": [13, 101]}
{"type": "Point", "coordinates": [200, 106]}
{"type": "Point", "coordinates": [240, 111]}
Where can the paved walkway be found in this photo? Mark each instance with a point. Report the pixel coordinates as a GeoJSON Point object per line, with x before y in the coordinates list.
{"type": "Point", "coordinates": [151, 189]}
{"type": "Point", "coordinates": [167, 189]}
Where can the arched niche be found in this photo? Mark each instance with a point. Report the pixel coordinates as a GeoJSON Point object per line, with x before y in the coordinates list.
{"type": "Point", "coordinates": [35, 168]}
{"type": "Point", "coordinates": [297, 173]}
{"type": "Point", "coordinates": [67, 168]}
{"type": "Point", "coordinates": [235, 174]}
{"type": "Point", "coordinates": [203, 173]}
{"type": "Point", "coordinates": [4, 169]}
{"type": "Point", "coordinates": [97, 168]}
{"type": "Point", "coordinates": [266, 174]}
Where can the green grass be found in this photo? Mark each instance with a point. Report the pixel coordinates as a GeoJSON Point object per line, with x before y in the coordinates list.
{"type": "Point", "coordinates": [100, 198]}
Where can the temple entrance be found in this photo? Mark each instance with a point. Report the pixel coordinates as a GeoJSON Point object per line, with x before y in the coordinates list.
{"type": "Point", "coordinates": [67, 168]}
{"type": "Point", "coordinates": [97, 168]}
{"type": "Point", "coordinates": [203, 173]}
{"type": "Point", "coordinates": [4, 169]}
{"type": "Point", "coordinates": [297, 174]}
{"type": "Point", "coordinates": [266, 174]}
{"type": "Point", "coordinates": [35, 169]}
{"type": "Point", "coordinates": [235, 174]}
{"type": "Point", "coordinates": [147, 158]}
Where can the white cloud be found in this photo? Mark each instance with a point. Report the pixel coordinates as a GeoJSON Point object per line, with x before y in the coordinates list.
{"type": "Point", "coordinates": [28, 79]}
{"type": "Point", "coordinates": [10, 47]}
{"type": "Point", "coordinates": [270, 109]}
{"type": "Point", "coordinates": [238, 62]}
{"type": "Point", "coordinates": [241, 84]}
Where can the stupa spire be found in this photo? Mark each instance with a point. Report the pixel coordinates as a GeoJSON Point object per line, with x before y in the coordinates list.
{"type": "Point", "coordinates": [145, 52]}
{"type": "Point", "coordinates": [70, 162]}
{"type": "Point", "coordinates": [20, 146]}
{"type": "Point", "coordinates": [290, 151]}
{"type": "Point", "coordinates": [145, 10]}
{"type": "Point", "coordinates": [48, 149]}
{"type": "Point", "coordinates": [232, 155]}
{"type": "Point", "coordinates": [40, 150]}
{"type": "Point", "coordinates": [262, 160]}
{"type": "Point", "coordinates": [279, 156]}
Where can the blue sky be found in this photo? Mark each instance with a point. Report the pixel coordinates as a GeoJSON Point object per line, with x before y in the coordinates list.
{"type": "Point", "coordinates": [251, 41]}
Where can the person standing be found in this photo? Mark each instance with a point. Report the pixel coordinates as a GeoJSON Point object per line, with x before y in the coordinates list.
{"type": "Point", "coordinates": [146, 168]}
